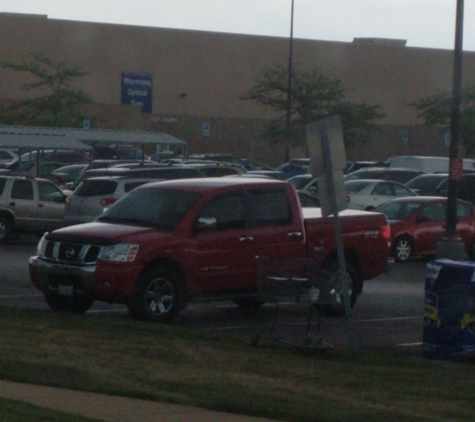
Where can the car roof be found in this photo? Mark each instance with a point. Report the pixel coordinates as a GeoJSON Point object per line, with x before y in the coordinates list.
{"type": "Point", "coordinates": [207, 183]}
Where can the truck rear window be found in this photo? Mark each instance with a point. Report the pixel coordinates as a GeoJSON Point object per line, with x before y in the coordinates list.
{"type": "Point", "coordinates": [271, 208]}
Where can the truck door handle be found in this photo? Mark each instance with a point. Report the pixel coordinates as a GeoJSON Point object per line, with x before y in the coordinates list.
{"type": "Point", "coordinates": [246, 239]}
{"type": "Point", "coordinates": [40, 205]}
{"type": "Point", "coordinates": [295, 234]}
{"type": "Point", "coordinates": [12, 204]}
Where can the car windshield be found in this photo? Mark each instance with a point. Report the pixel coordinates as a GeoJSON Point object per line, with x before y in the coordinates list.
{"type": "Point", "coordinates": [162, 209]}
{"type": "Point", "coordinates": [299, 182]}
{"type": "Point", "coordinates": [398, 210]}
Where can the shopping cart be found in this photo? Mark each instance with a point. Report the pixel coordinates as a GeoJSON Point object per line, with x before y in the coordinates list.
{"type": "Point", "coordinates": [298, 283]}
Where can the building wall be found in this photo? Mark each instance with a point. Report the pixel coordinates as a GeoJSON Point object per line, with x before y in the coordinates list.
{"type": "Point", "coordinates": [200, 76]}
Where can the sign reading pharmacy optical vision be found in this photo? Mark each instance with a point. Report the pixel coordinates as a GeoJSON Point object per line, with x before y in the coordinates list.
{"type": "Point", "coordinates": [136, 89]}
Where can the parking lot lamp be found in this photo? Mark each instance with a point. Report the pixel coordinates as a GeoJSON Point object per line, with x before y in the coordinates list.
{"type": "Point", "coordinates": [288, 130]}
{"type": "Point", "coordinates": [451, 245]}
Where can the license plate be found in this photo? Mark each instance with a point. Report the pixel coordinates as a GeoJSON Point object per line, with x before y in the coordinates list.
{"type": "Point", "coordinates": [65, 290]}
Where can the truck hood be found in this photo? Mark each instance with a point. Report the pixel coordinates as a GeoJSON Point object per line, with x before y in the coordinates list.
{"type": "Point", "coordinates": [104, 233]}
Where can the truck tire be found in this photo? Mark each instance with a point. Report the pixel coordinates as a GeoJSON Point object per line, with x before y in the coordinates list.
{"type": "Point", "coordinates": [5, 228]}
{"type": "Point", "coordinates": [158, 296]}
{"type": "Point", "coordinates": [68, 304]}
{"type": "Point", "coordinates": [402, 249]}
{"type": "Point", "coordinates": [333, 271]}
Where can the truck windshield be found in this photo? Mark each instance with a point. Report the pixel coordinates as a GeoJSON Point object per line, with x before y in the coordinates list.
{"type": "Point", "coordinates": [162, 209]}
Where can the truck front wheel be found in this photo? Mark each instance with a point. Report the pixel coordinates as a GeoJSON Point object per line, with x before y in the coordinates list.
{"type": "Point", "coordinates": [158, 296]}
{"type": "Point", "coordinates": [74, 304]}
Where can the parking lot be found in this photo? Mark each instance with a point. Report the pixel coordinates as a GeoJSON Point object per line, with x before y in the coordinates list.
{"type": "Point", "coordinates": [389, 313]}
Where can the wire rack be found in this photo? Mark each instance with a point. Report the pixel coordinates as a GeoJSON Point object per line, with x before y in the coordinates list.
{"type": "Point", "coordinates": [300, 284]}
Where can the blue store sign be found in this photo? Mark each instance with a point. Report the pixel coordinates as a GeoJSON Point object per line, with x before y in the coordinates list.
{"type": "Point", "coordinates": [137, 90]}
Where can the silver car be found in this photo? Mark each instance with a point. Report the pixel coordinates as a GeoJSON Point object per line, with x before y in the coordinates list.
{"type": "Point", "coordinates": [93, 195]}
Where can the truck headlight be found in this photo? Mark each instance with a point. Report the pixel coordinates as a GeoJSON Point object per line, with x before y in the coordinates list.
{"type": "Point", "coordinates": [40, 249]}
{"type": "Point", "coordinates": [122, 252]}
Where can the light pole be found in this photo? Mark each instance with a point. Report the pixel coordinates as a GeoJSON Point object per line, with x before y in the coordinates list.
{"type": "Point", "coordinates": [288, 131]}
{"type": "Point", "coordinates": [451, 245]}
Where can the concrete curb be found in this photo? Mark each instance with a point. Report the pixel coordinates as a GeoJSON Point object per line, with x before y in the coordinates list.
{"type": "Point", "coordinates": [113, 408]}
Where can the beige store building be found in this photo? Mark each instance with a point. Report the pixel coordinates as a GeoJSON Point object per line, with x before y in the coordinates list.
{"type": "Point", "coordinates": [198, 78]}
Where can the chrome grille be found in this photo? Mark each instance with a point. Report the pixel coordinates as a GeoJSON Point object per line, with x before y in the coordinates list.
{"type": "Point", "coordinates": [72, 253]}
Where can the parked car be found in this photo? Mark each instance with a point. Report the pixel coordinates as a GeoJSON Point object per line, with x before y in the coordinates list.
{"type": "Point", "coordinates": [118, 152]}
{"type": "Point", "coordinates": [307, 200]}
{"type": "Point", "coordinates": [66, 156]}
{"type": "Point", "coordinates": [352, 166]}
{"type": "Point", "coordinates": [95, 194]}
{"type": "Point", "coordinates": [465, 188]}
{"type": "Point", "coordinates": [7, 156]}
{"type": "Point", "coordinates": [227, 158]}
{"type": "Point", "coordinates": [401, 175]}
{"type": "Point", "coordinates": [66, 174]}
{"type": "Point", "coordinates": [305, 183]}
{"type": "Point", "coordinates": [368, 194]}
{"type": "Point", "coordinates": [418, 223]}
{"type": "Point", "coordinates": [217, 169]}
{"type": "Point", "coordinates": [33, 168]}
{"type": "Point", "coordinates": [426, 184]}
{"type": "Point", "coordinates": [274, 174]}
{"type": "Point", "coordinates": [295, 166]}
{"type": "Point", "coordinates": [29, 205]}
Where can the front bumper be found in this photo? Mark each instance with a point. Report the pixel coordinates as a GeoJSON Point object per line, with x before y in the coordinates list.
{"type": "Point", "coordinates": [108, 282]}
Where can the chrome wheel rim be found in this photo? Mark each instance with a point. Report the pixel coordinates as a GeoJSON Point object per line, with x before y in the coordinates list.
{"type": "Point", "coordinates": [160, 295]}
{"type": "Point", "coordinates": [403, 250]}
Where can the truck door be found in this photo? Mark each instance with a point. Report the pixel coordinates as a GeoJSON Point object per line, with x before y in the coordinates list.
{"type": "Point", "coordinates": [223, 253]}
{"type": "Point", "coordinates": [277, 226]}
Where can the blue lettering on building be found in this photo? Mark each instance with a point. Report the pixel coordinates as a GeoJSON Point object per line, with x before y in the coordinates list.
{"type": "Point", "coordinates": [136, 89]}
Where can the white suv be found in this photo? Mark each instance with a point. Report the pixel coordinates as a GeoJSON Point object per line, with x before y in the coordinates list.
{"type": "Point", "coordinates": [29, 205]}
{"type": "Point", "coordinates": [93, 195]}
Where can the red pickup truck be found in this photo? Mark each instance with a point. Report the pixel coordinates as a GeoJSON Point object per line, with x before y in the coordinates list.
{"type": "Point", "coordinates": [169, 242]}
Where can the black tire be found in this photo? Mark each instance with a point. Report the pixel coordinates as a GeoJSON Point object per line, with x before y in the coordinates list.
{"type": "Point", "coordinates": [158, 296]}
{"type": "Point", "coordinates": [5, 228]}
{"type": "Point", "coordinates": [77, 305]}
{"type": "Point", "coordinates": [248, 302]}
{"type": "Point", "coordinates": [332, 270]}
{"type": "Point", "coordinates": [402, 249]}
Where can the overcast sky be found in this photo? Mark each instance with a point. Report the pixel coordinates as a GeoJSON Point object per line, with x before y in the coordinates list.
{"type": "Point", "coordinates": [423, 23]}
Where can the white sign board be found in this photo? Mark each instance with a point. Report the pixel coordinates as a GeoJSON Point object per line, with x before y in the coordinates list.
{"type": "Point", "coordinates": [327, 161]}
{"type": "Point", "coordinates": [329, 131]}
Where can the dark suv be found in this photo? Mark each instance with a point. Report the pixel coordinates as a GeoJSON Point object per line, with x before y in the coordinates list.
{"type": "Point", "coordinates": [465, 188]}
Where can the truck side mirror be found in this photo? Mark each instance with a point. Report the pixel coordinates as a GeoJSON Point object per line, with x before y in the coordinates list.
{"type": "Point", "coordinates": [206, 223]}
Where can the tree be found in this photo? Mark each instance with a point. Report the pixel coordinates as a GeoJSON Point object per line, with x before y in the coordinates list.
{"type": "Point", "coordinates": [314, 96]}
{"type": "Point", "coordinates": [437, 110]}
{"type": "Point", "coordinates": [59, 104]}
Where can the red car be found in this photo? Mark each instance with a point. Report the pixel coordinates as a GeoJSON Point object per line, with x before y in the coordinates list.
{"type": "Point", "coordinates": [418, 223]}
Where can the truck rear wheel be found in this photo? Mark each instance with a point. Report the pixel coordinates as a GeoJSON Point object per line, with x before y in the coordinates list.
{"type": "Point", "coordinates": [73, 304]}
{"type": "Point", "coordinates": [338, 308]}
{"type": "Point", "coordinates": [158, 296]}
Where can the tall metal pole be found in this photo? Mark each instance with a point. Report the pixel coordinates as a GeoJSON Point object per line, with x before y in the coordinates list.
{"type": "Point", "coordinates": [289, 88]}
{"type": "Point", "coordinates": [451, 246]}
